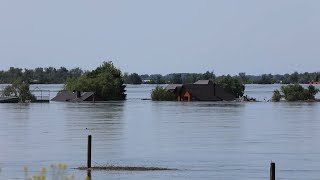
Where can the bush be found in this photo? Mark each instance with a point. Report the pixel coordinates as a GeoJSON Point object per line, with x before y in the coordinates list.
{"type": "Point", "coordinates": [56, 172]}
{"type": "Point", "coordinates": [161, 94]}
{"type": "Point", "coordinates": [20, 90]}
{"type": "Point", "coordinates": [10, 91]}
{"type": "Point", "coordinates": [276, 96]}
{"type": "Point", "coordinates": [25, 94]}
{"type": "Point", "coordinates": [295, 92]}
{"type": "Point", "coordinates": [232, 85]}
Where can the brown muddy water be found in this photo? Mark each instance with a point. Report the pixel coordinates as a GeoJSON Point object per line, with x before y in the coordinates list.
{"type": "Point", "coordinates": [204, 140]}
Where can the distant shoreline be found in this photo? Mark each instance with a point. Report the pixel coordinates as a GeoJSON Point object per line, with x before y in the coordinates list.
{"type": "Point", "coordinates": [51, 75]}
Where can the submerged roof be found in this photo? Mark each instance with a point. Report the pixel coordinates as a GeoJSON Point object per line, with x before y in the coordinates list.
{"type": "Point", "coordinates": [172, 87]}
{"type": "Point", "coordinates": [72, 96]}
{"type": "Point", "coordinates": [203, 82]}
{"type": "Point", "coordinates": [208, 92]}
{"type": "Point", "coordinates": [202, 92]}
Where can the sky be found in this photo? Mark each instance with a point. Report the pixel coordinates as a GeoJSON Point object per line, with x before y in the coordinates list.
{"type": "Point", "coordinates": [162, 36]}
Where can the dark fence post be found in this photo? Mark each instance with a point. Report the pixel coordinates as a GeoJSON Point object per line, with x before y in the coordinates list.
{"type": "Point", "coordinates": [88, 174]}
{"type": "Point", "coordinates": [89, 152]}
{"type": "Point", "coordinates": [272, 171]}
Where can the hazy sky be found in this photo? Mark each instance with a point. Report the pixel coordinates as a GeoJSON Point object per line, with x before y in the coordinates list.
{"type": "Point", "coordinates": [163, 36]}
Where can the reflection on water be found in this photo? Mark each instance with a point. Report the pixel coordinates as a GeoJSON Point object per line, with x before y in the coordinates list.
{"type": "Point", "coordinates": [205, 140]}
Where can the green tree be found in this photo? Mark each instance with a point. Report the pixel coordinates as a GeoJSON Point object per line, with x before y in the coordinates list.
{"type": "Point", "coordinates": [9, 91]}
{"type": "Point", "coordinates": [76, 72]}
{"type": "Point", "coordinates": [28, 75]}
{"type": "Point", "coordinates": [133, 78]}
{"type": "Point", "coordinates": [157, 79]}
{"type": "Point", "coordinates": [24, 93]}
{"type": "Point", "coordinates": [266, 79]}
{"type": "Point", "coordinates": [294, 78]}
{"type": "Point", "coordinates": [106, 81]}
{"type": "Point", "coordinates": [208, 76]}
{"type": "Point", "coordinates": [276, 96]}
{"type": "Point", "coordinates": [243, 78]}
{"type": "Point", "coordinates": [161, 94]}
{"type": "Point", "coordinates": [190, 78]}
{"type": "Point", "coordinates": [19, 89]}
{"type": "Point", "coordinates": [311, 92]}
{"type": "Point", "coordinates": [176, 79]}
{"type": "Point", "coordinates": [295, 92]}
{"type": "Point", "coordinates": [304, 78]}
{"type": "Point", "coordinates": [232, 85]}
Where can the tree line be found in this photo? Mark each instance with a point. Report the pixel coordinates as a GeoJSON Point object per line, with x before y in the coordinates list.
{"type": "Point", "coordinates": [185, 78]}
{"type": "Point", "coordinates": [51, 75]}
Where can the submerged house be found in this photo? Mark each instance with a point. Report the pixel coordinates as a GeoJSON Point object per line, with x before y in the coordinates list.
{"type": "Point", "coordinates": [77, 96]}
{"type": "Point", "coordinates": [9, 99]}
{"type": "Point", "coordinates": [172, 87]}
{"type": "Point", "coordinates": [202, 90]}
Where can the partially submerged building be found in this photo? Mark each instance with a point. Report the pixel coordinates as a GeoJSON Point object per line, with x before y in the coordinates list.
{"type": "Point", "coordinates": [202, 90]}
{"type": "Point", "coordinates": [9, 99]}
{"type": "Point", "coordinates": [77, 96]}
{"type": "Point", "coordinates": [172, 87]}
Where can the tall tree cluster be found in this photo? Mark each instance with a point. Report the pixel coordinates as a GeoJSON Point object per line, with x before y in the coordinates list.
{"type": "Point", "coordinates": [106, 81]}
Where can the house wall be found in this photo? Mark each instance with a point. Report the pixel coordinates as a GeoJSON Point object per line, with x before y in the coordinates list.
{"type": "Point", "coordinates": [185, 96]}
{"type": "Point", "coordinates": [315, 82]}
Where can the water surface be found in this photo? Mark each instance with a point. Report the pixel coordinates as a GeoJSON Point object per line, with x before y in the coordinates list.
{"type": "Point", "coordinates": [204, 140]}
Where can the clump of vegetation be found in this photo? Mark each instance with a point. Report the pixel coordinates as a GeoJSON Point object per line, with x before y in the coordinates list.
{"type": "Point", "coordinates": [232, 85]}
{"type": "Point", "coordinates": [276, 97]}
{"type": "Point", "coordinates": [295, 92]}
{"type": "Point", "coordinates": [56, 171]}
{"type": "Point", "coordinates": [106, 81]}
{"type": "Point", "coordinates": [10, 91]}
{"type": "Point", "coordinates": [161, 94]}
{"type": "Point", "coordinates": [19, 89]}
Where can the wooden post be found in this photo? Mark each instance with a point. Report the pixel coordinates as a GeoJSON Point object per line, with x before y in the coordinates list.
{"type": "Point", "coordinates": [89, 174]}
{"type": "Point", "coordinates": [89, 152]}
{"type": "Point", "coordinates": [272, 171]}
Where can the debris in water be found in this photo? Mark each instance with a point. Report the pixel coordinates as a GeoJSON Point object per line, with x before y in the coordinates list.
{"type": "Point", "coordinates": [126, 168]}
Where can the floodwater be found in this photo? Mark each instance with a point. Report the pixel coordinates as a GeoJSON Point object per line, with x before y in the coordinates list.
{"type": "Point", "coordinates": [204, 140]}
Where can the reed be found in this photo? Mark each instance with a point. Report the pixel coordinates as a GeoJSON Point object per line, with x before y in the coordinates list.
{"type": "Point", "coordinates": [56, 171]}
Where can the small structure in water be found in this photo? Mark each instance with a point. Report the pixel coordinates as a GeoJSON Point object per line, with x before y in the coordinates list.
{"type": "Point", "coordinates": [41, 95]}
{"type": "Point", "coordinates": [77, 96]}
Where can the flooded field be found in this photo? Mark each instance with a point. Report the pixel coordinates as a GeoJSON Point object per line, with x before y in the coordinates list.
{"type": "Point", "coordinates": [204, 140]}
